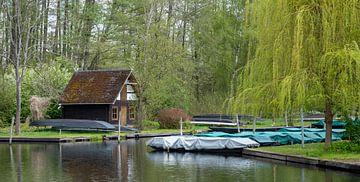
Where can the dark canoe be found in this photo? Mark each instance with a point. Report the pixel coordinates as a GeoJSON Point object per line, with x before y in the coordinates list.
{"type": "Point", "coordinates": [74, 124]}
{"type": "Point", "coordinates": [336, 124]}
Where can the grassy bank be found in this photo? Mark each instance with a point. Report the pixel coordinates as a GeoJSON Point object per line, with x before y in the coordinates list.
{"type": "Point", "coordinates": [33, 132]}
{"type": "Point", "coordinates": [49, 133]}
{"type": "Point", "coordinates": [317, 150]}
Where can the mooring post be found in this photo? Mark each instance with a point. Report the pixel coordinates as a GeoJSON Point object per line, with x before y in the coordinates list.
{"type": "Point", "coordinates": [11, 130]}
{"type": "Point", "coordinates": [254, 124]}
{"type": "Point", "coordinates": [238, 123]}
{"type": "Point", "coordinates": [302, 127]}
{"type": "Point", "coordinates": [181, 126]}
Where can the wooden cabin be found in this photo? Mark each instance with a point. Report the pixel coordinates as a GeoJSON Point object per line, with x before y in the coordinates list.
{"type": "Point", "coordinates": [104, 95]}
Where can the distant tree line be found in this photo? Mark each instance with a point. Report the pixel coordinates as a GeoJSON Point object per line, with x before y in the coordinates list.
{"type": "Point", "coordinates": [269, 58]}
{"type": "Point", "coordinates": [184, 53]}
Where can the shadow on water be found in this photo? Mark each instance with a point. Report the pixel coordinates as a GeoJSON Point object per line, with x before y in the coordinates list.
{"type": "Point", "coordinates": [133, 161]}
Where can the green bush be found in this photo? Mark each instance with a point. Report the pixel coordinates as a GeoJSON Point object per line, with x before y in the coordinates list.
{"type": "Point", "coordinates": [150, 125]}
{"type": "Point", "coordinates": [54, 111]}
{"type": "Point", "coordinates": [345, 146]}
{"type": "Point", "coordinates": [353, 130]}
{"type": "Point", "coordinates": [188, 126]}
{"type": "Point", "coordinates": [7, 98]}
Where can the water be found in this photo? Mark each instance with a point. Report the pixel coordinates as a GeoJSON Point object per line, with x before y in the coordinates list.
{"type": "Point", "coordinates": [133, 161]}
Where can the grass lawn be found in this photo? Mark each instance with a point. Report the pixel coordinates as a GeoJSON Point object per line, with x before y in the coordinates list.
{"type": "Point", "coordinates": [315, 150]}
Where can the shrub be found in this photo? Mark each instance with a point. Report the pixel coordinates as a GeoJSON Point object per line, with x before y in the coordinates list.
{"type": "Point", "coordinates": [54, 111]}
{"type": "Point", "coordinates": [345, 146]}
{"type": "Point", "coordinates": [169, 118]}
{"type": "Point", "coordinates": [353, 130]}
{"type": "Point", "coordinates": [150, 125]}
{"type": "Point", "coordinates": [7, 98]}
{"type": "Point", "coordinates": [188, 126]}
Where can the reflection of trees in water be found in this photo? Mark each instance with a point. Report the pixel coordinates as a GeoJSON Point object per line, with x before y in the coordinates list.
{"type": "Point", "coordinates": [132, 161]}
{"type": "Point", "coordinates": [18, 163]}
{"type": "Point", "coordinates": [96, 161]}
{"type": "Point", "coordinates": [29, 162]}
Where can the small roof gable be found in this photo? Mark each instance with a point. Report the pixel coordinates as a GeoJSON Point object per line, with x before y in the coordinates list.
{"type": "Point", "coordinates": [94, 87]}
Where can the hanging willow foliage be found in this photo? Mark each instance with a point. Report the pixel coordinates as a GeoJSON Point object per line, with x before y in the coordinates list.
{"type": "Point", "coordinates": [306, 55]}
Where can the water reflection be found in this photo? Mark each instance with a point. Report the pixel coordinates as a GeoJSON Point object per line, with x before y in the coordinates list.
{"type": "Point", "coordinates": [133, 161]}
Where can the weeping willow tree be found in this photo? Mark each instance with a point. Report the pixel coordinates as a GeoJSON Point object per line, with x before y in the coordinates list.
{"type": "Point", "coordinates": [302, 54]}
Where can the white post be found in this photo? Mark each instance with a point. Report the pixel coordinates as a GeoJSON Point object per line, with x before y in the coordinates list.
{"type": "Point", "coordinates": [181, 126]}
{"type": "Point", "coordinates": [302, 127]}
{"type": "Point", "coordinates": [254, 124]}
{"type": "Point", "coordinates": [238, 123]}
{"type": "Point", "coordinates": [119, 126]}
{"type": "Point", "coordinates": [11, 130]}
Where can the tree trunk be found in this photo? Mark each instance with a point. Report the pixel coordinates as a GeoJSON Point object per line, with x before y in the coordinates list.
{"type": "Point", "coordinates": [65, 24]}
{"type": "Point", "coordinates": [45, 9]}
{"type": "Point", "coordinates": [86, 33]}
{"type": "Point", "coordinates": [328, 121]}
{"type": "Point", "coordinates": [18, 103]}
{"type": "Point", "coordinates": [184, 26]}
{"type": "Point", "coordinates": [57, 48]}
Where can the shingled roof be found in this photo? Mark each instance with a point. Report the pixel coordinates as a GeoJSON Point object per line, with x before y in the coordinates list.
{"type": "Point", "coordinates": [94, 87]}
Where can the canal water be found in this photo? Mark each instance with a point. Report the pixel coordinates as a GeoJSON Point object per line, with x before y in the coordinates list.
{"type": "Point", "coordinates": [133, 161]}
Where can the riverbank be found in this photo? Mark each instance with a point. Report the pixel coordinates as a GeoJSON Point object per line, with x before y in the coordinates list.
{"type": "Point", "coordinates": [316, 150]}
{"type": "Point", "coordinates": [312, 154]}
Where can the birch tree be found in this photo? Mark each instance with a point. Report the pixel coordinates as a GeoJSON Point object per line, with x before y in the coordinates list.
{"type": "Point", "coordinates": [21, 27]}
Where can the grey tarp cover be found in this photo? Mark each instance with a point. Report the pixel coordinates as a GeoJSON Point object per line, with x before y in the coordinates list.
{"type": "Point", "coordinates": [74, 124]}
{"type": "Point", "coordinates": [200, 143]}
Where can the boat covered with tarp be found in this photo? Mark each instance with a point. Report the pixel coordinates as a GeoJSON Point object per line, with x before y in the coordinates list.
{"type": "Point", "coordinates": [74, 124]}
{"type": "Point", "coordinates": [283, 136]}
{"type": "Point", "coordinates": [193, 143]}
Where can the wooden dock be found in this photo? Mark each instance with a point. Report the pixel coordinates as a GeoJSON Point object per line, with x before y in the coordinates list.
{"type": "Point", "coordinates": [46, 140]}
{"type": "Point", "coordinates": [85, 139]}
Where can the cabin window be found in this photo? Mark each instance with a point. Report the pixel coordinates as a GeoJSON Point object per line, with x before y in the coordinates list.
{"type": "Point", "coordinates": [115, 113]}
{"type": "Point", "coordinates": [131, 112]}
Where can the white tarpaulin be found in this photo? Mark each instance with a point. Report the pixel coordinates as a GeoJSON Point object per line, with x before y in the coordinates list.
{"type": "Point", "coordinates": [200, 143]}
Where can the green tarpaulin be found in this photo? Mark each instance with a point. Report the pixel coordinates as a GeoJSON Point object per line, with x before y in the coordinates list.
{"type": "Point", "coordinates": [283, 136]}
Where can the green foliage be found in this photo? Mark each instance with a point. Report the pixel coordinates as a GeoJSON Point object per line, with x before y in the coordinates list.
{"type": "Point", "coordinates": [345, 146]}
{"type": "Point", "coordinates": [340, 150]}
{"type": "Point", "coordinates": [188, 126]}
{"type": "Point", "coordinates": [353, 130]}
{"type": "Point", "coordinates": [54, 110]}
{"type": "Point", "coordinates": [48, 80]}
{"type": "Point", "coordinates": [306, 55]}
{"type": "Point", "coordinates": [7, 98]}
{"type": "Point", "coordinates": [164, 75]}
{"type": "Point", "coordinates": [150, 125]}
